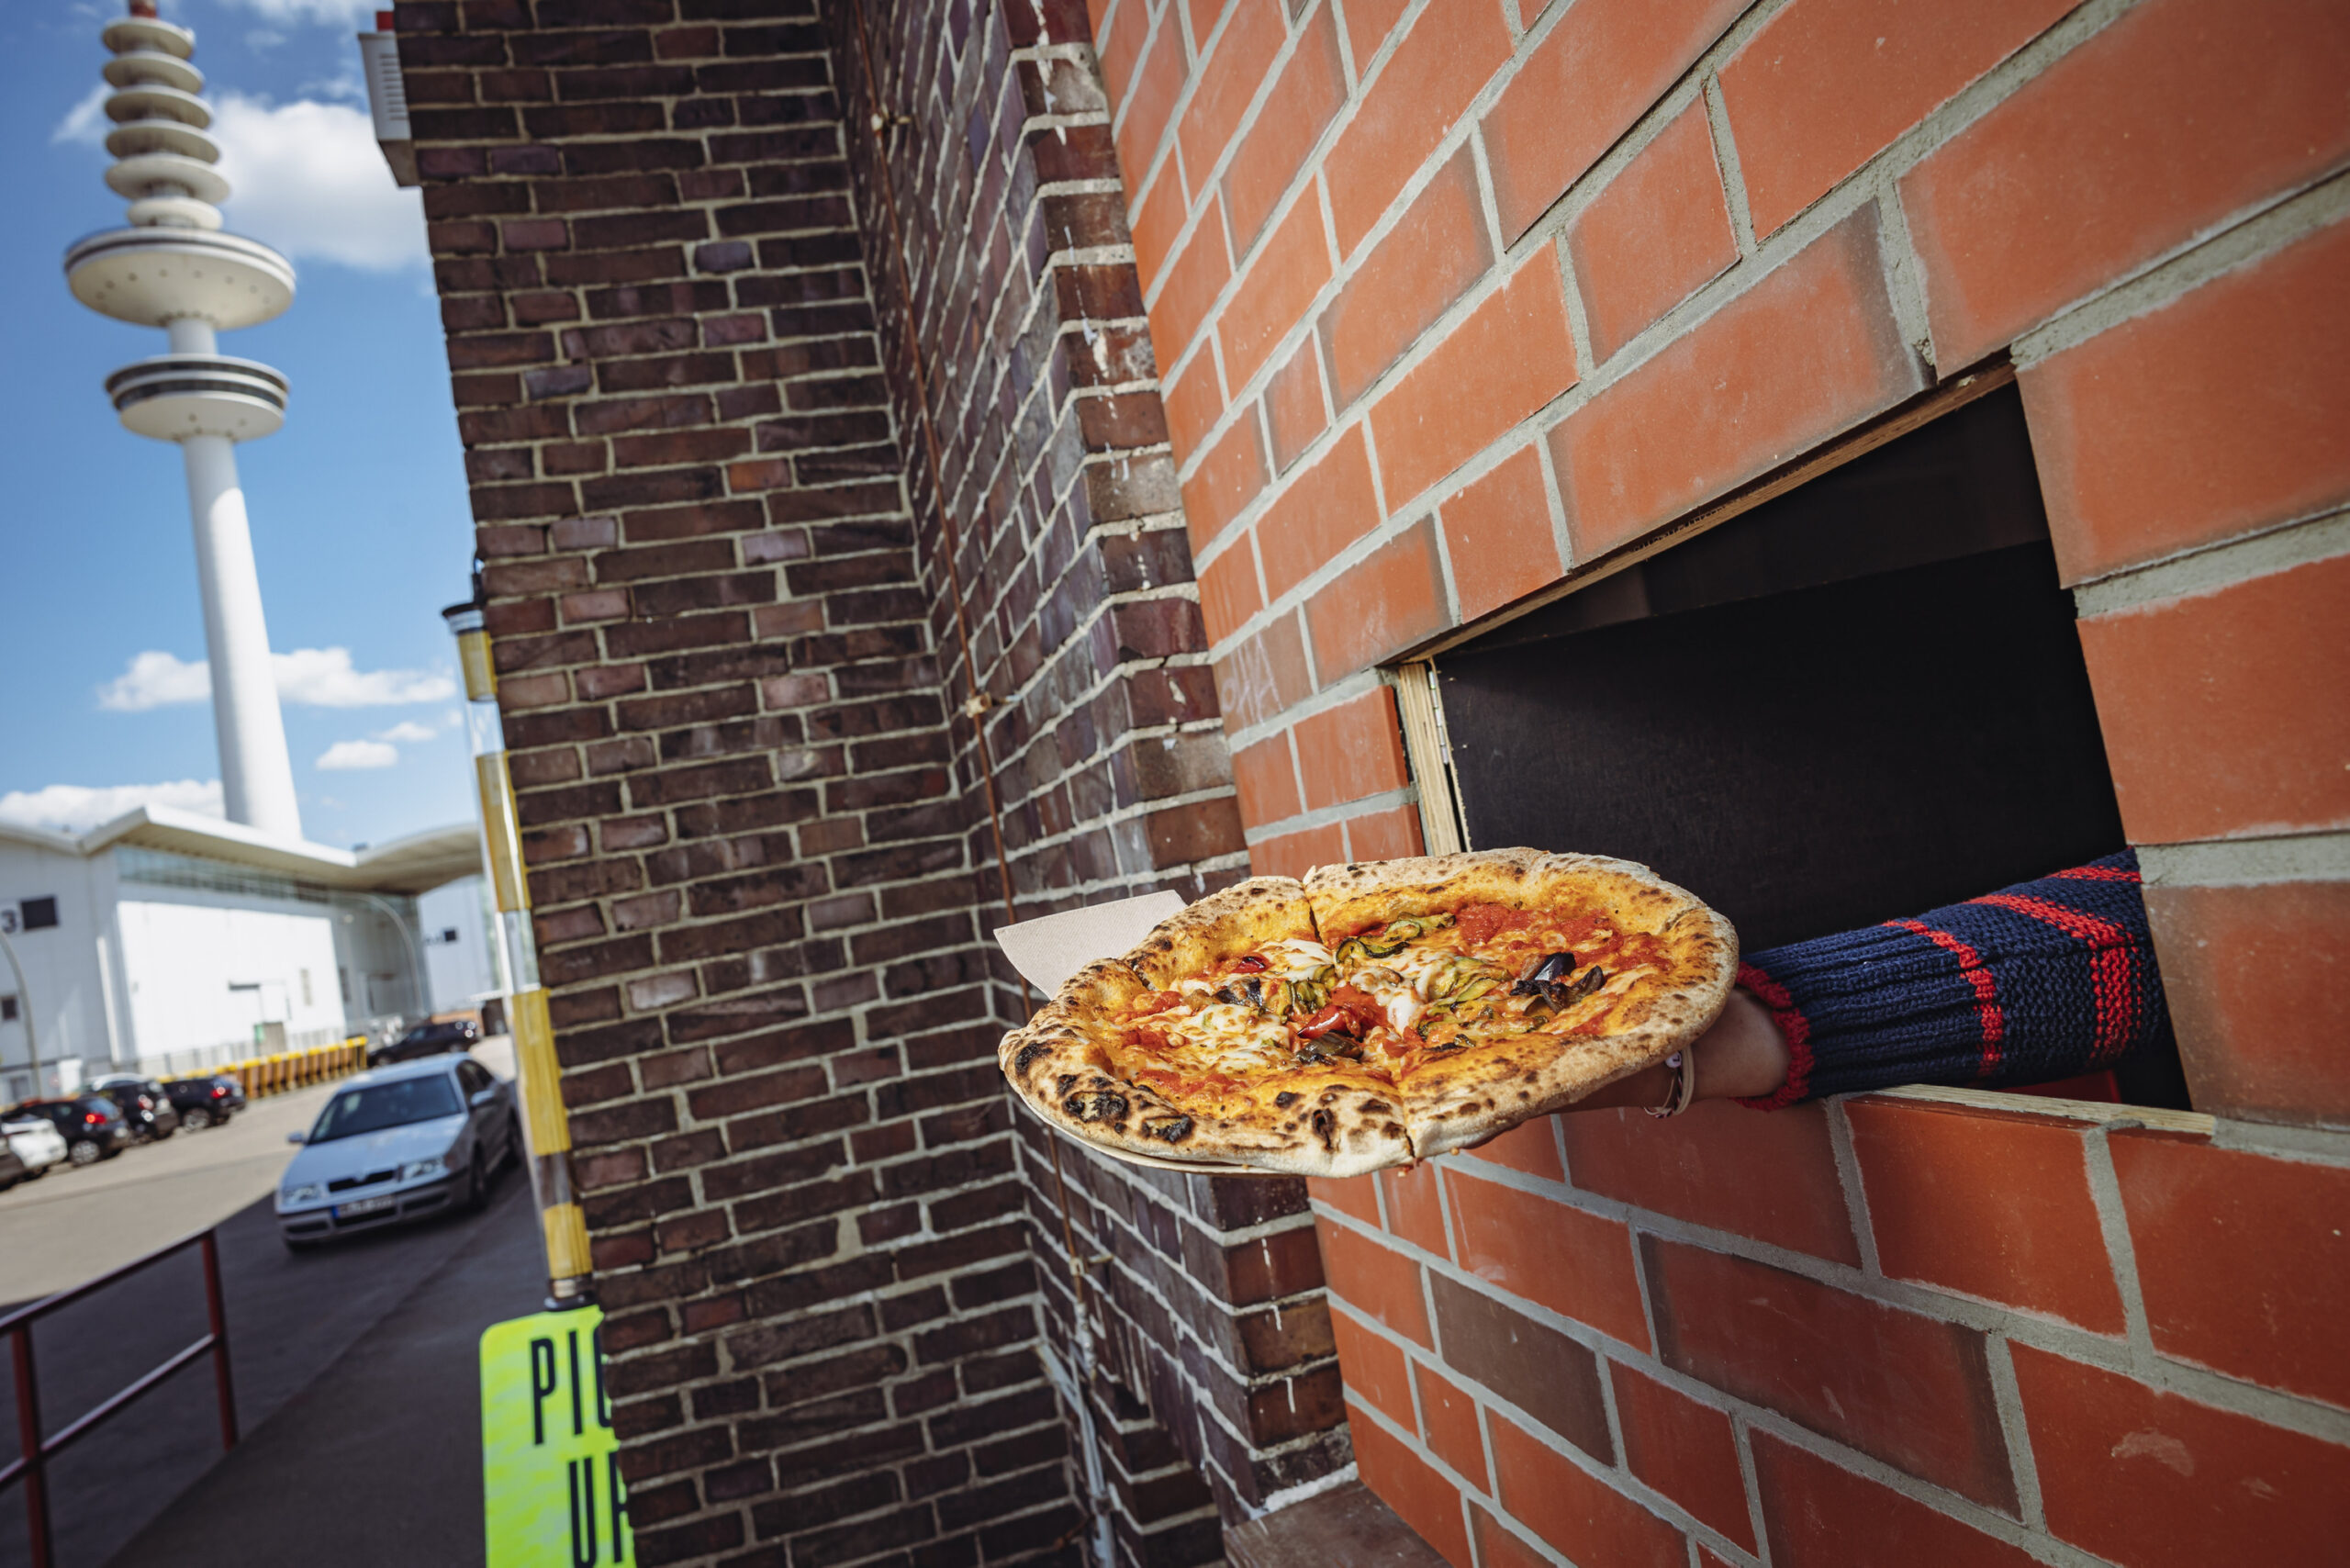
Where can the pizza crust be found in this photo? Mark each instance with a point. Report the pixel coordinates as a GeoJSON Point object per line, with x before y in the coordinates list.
{"type": "Point", "coordinates": [1062, 1062]}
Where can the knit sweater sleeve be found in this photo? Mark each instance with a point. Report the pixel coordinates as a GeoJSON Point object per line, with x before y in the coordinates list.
{"type": "Point", "coordinates": [2042, 981]}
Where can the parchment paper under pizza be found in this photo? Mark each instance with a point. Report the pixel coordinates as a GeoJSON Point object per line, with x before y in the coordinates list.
{"type": "Point", "coordinates": [1377, 1015]}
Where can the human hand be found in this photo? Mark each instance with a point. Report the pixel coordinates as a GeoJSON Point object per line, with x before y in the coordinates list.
{"type": "Point", "coordinates": [1743, 1056]}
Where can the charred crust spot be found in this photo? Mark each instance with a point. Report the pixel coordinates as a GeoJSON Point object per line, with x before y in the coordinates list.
{"type": "Point", "coordinates": [1064, 1084]}
{"type": "Point", "coordinates": [1096, 1106]}
{"type": "Point", "coordinates": [1027, 1057]}
{"type": "Point", "coordinates": [1394, 1129]}
{"type": "Point", "coordinates": [1099, 1083]}
{"type": "Point", "coordinates": [1169, 1129]}
{"type": "Point", "coordinates": [1286, 1099]}
{"type": "Point", "coordinates": [1376, 1108]}
{"type": "Point", "coordinates": [1325, 1128]}
{"type": "Point", "coordinates": [1329, 1097]}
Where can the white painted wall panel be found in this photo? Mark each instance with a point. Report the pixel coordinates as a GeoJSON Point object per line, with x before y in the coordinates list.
{"type": "Point", "coordinates": [203, 974]}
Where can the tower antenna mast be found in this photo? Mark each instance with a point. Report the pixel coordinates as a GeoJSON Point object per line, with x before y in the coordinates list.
{"type": "Point", "coordinates": [173, 267]}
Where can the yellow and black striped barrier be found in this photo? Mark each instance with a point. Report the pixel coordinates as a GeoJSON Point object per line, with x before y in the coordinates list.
{"type": "Point", "coordinates": [282, 1070]}
{"type": "Point", "coordinates": [537, 1073]}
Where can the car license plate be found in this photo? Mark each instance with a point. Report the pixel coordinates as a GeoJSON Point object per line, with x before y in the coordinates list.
{"type": "Point", "coordinates": [364, 1206]}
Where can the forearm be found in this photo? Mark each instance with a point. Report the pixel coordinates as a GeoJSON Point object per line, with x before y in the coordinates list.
{"type": "Point", "coordinates": [2042, 981]}
{"type": "Point", "coordinates": [2038, 982]}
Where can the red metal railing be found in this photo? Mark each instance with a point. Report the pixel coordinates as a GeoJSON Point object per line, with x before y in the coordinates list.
{"type": "Point", "coordinates": [35, 1451]}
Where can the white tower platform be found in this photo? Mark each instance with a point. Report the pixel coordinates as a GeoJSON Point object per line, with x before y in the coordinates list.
{"type": "Point", "coordinates": [174, 268]}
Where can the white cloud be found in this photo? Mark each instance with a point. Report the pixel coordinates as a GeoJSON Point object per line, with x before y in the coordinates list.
{"type": "Point", "coordinates": [346, 85]}
{"type": "Point", "coordinates": [323, 677]}
{"type": "Point", "coordinates": [85, 122]}
{"type": "Point", "coordinates": [156, 679]}
{"type": "Point", "coordinates": [310, 179]}
{"type": "Point", "coordinates": [313, 677]}
{"type": "Point", "coordinates": [73, 808]}
{"type": "Point", "coordinates": [346, 756]}
{"type": "Point", "coordinates": [409, 731]}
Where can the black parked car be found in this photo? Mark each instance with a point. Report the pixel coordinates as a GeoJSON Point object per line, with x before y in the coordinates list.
{"type": "Point", "coordinates": [206, 1102]}
{"type": "Point", "coordinates": [93, 1126]}
{"type": "Point", "coordinates": [12, 1170]}
{"type": "Point", "coordinates": [144, 1104]}
{"type": "Point", "coordinates": [427, 1040]}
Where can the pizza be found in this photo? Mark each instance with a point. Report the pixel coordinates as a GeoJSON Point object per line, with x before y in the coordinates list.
{"type": "Point", "coordinates": [1376, 1014]}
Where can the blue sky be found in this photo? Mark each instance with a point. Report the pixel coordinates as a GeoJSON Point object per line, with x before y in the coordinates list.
{"type": "Point", "coordinates": [358, 506]}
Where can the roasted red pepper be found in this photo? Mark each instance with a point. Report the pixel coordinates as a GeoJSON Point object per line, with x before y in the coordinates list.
{"type": "Point", "coordinates": [1322, 1023]}
{"type": "Point", "coordinates": [1351, 1012]}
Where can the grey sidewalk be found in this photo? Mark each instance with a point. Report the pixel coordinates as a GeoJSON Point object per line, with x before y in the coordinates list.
{"type": "Point", "coordinates": [378, 1460]}
{"type": "Point", "coordinates": [411, 1301]}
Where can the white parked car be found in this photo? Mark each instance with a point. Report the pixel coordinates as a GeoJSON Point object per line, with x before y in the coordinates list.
{"type": "Point", "coordinates": [34, 1142]}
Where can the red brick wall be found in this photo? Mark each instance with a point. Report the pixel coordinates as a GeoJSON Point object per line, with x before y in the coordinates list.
{"type": "Point", "coordinates": [1859, 1332]}
{"type": "Point", "coordinates": [1453, 301]}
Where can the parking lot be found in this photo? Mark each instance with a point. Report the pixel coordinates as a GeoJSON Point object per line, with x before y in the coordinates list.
{"type": "Point", "coordinates": [355, 1364]}
{"type": "Point", "coordinates": [74, 1225]}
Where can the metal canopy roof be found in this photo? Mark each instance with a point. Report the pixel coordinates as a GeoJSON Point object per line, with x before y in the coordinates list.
{"type": "Point", "coordinates": [416, 864]}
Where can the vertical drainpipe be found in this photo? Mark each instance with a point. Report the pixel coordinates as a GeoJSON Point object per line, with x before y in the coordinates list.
{"type": "Point", "coordinates": [537, 1075]}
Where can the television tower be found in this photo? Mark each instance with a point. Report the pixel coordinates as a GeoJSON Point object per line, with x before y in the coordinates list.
{"type": "Point", "coordinates": [174, 268]}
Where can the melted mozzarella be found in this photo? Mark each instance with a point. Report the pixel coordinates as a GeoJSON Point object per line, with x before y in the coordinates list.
{"type": "Point", "coordinates": [1295, 958]}
{"type": "Point", "coordinates": [1240, 1036]}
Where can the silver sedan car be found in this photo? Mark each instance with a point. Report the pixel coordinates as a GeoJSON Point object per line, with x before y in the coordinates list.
{"type": "Point", "coordinates": [398, 1143]}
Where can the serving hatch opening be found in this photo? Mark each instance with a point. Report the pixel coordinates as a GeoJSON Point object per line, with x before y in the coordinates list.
{"type": "Point", "coordinates": [1856, 702]}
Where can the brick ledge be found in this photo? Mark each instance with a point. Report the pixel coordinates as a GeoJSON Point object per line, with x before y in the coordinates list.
{"type": "Point", "coordinates": [1347, 1524]}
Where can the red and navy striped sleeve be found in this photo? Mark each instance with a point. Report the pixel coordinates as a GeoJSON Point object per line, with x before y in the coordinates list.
{"type": "Point", "coordinates": [2043, 980]}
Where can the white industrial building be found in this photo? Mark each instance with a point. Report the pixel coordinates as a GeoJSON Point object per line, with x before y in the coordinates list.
{"type": "Point", "coordinates": [167, 941]}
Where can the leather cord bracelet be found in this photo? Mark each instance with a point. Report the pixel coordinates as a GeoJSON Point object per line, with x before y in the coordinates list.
{"type": "Point", "coordinates": [1684, 1063]}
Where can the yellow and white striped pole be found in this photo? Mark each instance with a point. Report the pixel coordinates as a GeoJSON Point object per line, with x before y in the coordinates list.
{"type": "Point", "coordinates": [537, 1075]}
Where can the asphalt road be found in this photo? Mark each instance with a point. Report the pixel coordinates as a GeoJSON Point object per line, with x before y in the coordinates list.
{"type": "Point", "coordinates": [355, 1365]}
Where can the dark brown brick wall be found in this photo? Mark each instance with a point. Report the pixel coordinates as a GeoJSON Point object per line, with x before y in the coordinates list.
{"type": "Point", "coordinates": [790, 707]}
{"type": "Point", "coordinates": [1215, 1383]}
{"type": "Point", "coordinates": [753, 872]}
